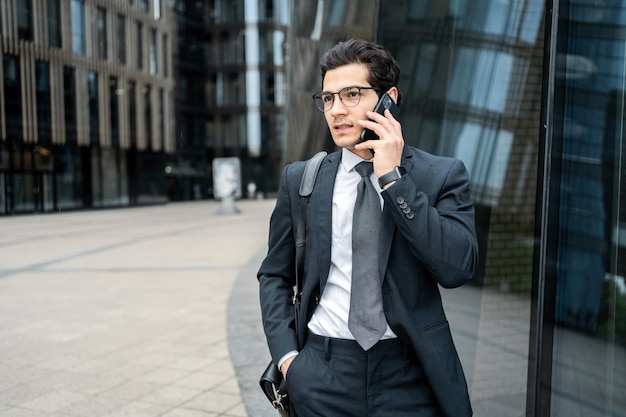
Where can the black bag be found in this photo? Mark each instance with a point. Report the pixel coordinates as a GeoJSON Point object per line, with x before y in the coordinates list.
{"type": "Point", "coordinates": [271, 380]}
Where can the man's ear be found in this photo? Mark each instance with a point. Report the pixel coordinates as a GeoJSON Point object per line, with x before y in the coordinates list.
{"type": "Point", "coordinates": [393, 93]}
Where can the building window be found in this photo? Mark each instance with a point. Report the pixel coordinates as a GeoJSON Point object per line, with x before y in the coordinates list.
{"type": "Point", "coordinates": [44, 114]}
{"type": "Point", "coordinates": [165, 51]}
{"type": "Point", "coordinates": [69, 104]}
{"type": "Point", "coordinates": [157, 9]}
{"type": "Point", "coordinates": [153, 52]}
{"type": "Point", "coordinates": [13, 96]}
{"type": "Point", "coordinates": [132, 113]}
{"type": "Point", "coordinates": [139, 45]}
{"type": "Point", "coordinates": [147, 109]}
{"type": "Point", "coordinates": [54, 23]}
{"type": "Point", "coordinates": [144, 6]}
{"type": "Point", "coordinates": [25, 19]}
{"type": "Point", "coordinates": [162, 118]}
{"type": "Point", "coordinates": [101, 32]}
{"type": "Point", "coordinates": [114, 110]}
{"type": "Point", "coordinates": [78, 27]}
{"type": "Point", "coordinates": [121, 38]}
{"type": "Point", "coordinates": [92, 91]}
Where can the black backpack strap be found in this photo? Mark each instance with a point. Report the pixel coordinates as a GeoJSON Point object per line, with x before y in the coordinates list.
{"type": "Point", "coordinates": [306, 188]}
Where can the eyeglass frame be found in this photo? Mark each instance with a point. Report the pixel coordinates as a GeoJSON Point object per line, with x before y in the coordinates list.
{"type": "Point", "coordinates": [332, 94]}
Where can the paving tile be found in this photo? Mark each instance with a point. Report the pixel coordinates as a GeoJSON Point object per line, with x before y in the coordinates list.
{"type": "Point", "coordinates": [202, 380]}
{"type": "Point", "coordinates": [93, 406]}
{"type": "Point", "coordinates": [163, 376]}
{"type": "Point", "coordinates": [139, 409]}
{"type": "Point", "coordinates": [22, 412]}
{"type": "Point", "coordinates": [171, 395]}
{"type": "Point", "coordinates": [54, 401]}
{"type": "Point", "coordinates": [132, 390]}
{"type": "Point", "coordinates": [21, 394]}
{"type": "Point", "coordinates": [215, 402]}
{"type": "Point", "coordinates": [183, 412]}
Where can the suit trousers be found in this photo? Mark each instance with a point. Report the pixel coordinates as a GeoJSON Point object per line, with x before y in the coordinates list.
{"type": "Point", "coordinates": [337, 378]}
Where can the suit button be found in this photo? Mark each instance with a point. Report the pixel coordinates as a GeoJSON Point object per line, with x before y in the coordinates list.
{"type": "Point", "coordinates": [404, 205]}
{"type": "Point", "coordinates": [400, 200]}
{"type": "Point", "coordinates": [406, 210]}
{"type": "Point", "coordinates": [410, 215]}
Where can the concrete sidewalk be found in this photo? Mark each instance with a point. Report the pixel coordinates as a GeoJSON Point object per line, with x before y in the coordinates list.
{"type": "Point", "coordinates": [133, 312]}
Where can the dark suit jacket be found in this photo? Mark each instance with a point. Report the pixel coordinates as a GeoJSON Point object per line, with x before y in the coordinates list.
{"type": "Point", "coordinates": [428, 238]}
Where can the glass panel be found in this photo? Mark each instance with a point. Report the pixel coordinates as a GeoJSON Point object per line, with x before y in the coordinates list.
{"type": "Point", "coordinates": [153, 52]}
{"type": "Point", "coordinates": [589, 354]}
{"type": "Point", "coordinates": [114, 110]}
{"type": "Point", "coordinates": [54, 23]}
{"type": "Point", "coordinates": [12, 96]}
{"type": "Point", "coordinates": [94, 119]}
{"type": "Point", "coordinates": [166, 61]}
{"type": "Point", "coordinates": [23, 188]}
{"type": "Point", "coordinates": [44, 114]}
{"type": "Point", "coordinates": [132, 112]}
{"type": "Point", "coordinates": [468, 93]}
{"type": "Point", "coordinates": [69, 100]}
{"type": "Point", "coordinates": [147, 114]}
{"type": "Point", "coordinates": [25, 19]}
{"type": "Point", "coordinates": [161, 116]}
{"type": "Point", "coordinates": [78, 27]}
{"type": "Point", "coordinates": [110, 178]}
{"type": "Point", "coordinates": [68, 177]}
{"type": "Point", "coordinates": [121, 38]}
{"type": "Point", "coordinates": [157, 9]}
{"type": "Point", "coordinates": [2, 194]}
{"type": "Point", "coordinates": [140, 31]}
{"type": "Point", "coordinates": [101, 32]}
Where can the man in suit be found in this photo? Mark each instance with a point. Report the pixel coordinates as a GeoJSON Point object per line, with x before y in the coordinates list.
{"type": "Point", "coordinates": [424, 238]}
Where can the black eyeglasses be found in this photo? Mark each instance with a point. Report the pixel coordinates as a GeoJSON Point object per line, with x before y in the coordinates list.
{"type": "Point", "coordinates": [349, 96]}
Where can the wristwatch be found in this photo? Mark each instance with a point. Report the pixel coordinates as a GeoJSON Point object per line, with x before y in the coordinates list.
{"type": "Point", "coordinates": [391, 176]}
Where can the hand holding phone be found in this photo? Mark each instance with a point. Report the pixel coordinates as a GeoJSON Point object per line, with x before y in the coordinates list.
{"type": "Point", "coordinates": [385, 102]}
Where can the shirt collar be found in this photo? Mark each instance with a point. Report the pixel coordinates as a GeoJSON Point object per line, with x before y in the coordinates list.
{"type": "Point", "coordinates": [349, 159]}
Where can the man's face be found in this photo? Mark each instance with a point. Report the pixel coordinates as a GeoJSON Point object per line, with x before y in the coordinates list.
{"type": "Point", "coordinates": [342, 120]}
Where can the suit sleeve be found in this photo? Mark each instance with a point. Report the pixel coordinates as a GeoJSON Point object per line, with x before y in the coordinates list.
{"type": "Point", "coordinates": [276, 274]}
{"type": "Point", "coordinates": [432, 208]}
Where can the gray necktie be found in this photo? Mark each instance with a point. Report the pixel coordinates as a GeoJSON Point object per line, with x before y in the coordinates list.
{"type": "Point", "coordinates": [366, 319]}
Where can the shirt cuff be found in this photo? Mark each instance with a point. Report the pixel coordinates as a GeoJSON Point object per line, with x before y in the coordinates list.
{"type": "Point", "coordinates": [285, 357]}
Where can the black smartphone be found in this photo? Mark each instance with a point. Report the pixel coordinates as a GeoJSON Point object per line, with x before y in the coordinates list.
{"type": "Point", "coordinates": [385, 102]}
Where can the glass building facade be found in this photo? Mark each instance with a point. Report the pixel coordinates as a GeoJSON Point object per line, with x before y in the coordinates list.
{"type": "Point", "coordinates": [530, 96]}
{"type": "Point", "coordinates": [84, 121]}
{"type": "Point", "coordinates": [113, 103]}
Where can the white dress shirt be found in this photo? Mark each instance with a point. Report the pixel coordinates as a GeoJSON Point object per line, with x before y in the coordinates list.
{"type": "Point", "coordinates": [331, 315]}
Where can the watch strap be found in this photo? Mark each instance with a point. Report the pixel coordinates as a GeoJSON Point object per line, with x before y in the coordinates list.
{"type": "Point", "coordinates": [391, 176]}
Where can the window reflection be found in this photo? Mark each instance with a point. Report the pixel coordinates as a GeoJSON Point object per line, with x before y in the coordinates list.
{"type": "Point", "coordinates": [101, 32]}
{"type": "Point", "coordinates": [78, 27]}
{"type": "Point", "coordinates": [120, 24]}
{"type": "Point", "coordinates": [589, 302]}
{"type": "Point", "coordinates": [25, 19]}
{"type": "Point", "coordinates": [44, 115]}
{"type": "Point", "coordinates": [54, 23]}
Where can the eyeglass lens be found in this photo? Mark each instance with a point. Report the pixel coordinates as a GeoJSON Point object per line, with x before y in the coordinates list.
{"type": "Point", "coordinates": [349, 96]}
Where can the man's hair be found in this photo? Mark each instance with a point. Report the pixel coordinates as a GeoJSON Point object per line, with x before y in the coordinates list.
{"type": "Point", "coordinates": [384, 71]}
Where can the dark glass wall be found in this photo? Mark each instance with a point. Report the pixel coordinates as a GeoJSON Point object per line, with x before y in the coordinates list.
{"type": "Point", "coordinates": [471, 83]}
{"type": "Point", "coordinates": [586, 294]}
{"type": "Point", "coordinates": [534, 107]}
